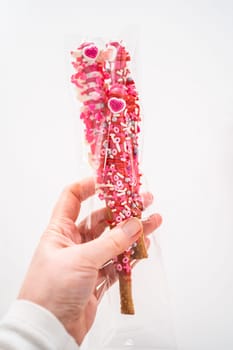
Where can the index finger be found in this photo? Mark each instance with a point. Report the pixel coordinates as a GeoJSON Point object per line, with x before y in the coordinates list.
{"type": "Point", "coordinates": [69, 203]}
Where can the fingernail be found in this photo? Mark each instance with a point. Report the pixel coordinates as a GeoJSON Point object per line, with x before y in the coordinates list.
{"type": "Point", "coordinates": [132, 226]}
{"type": "Point", "coordinates": [150, 197]}
{"type": "Point", "coordinates": [159, 219]}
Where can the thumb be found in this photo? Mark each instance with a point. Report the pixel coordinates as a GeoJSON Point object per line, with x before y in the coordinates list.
{"type": "Point", "coordinates": [113, 242]}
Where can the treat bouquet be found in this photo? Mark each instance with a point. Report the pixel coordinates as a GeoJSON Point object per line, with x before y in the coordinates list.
{"type": "Point", "coordinates": [111, 114]}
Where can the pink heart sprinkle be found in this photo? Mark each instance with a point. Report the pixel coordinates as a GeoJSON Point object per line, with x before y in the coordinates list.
{"type": "Point", "coordinates": [116, 105]}
{"type": "Point", "coordinates": [90, 52]}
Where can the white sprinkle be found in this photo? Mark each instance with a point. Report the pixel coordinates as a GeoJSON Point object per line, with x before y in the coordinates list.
{"type": "Point", "coordinates": [118, 146]}
{"type": "Point", "coordinates": [104, 185]}
{"type": "Point", "coordinates": [91, 84]}
{"type": "Point", "coordinates": [113, 137]}
{"type": "Point", "coordinates": [93, 74]}
{"type": "Point", "coordinates": [120, 175]}
{"type": "Point", "coordinates": [94, 94]}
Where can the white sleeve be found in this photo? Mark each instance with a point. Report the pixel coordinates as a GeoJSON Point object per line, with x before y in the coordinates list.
{"type": "Point", "coordinates": [28, 326]}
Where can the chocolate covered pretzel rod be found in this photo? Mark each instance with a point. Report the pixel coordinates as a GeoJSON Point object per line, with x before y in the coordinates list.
{"type": "Point", "coordinates": [111, 115]}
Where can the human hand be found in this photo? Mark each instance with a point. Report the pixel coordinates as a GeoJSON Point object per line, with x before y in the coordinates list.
{"type": "Point", "coordinates": [66, 275]}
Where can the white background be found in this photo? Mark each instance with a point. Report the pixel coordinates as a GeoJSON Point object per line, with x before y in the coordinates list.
{"type": "Point", "coordinates": [186, 86]}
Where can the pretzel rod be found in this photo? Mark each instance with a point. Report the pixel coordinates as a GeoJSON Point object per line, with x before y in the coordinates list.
{"type": "Point", "coordinates": [122, 88]}
{"type": "Point", "coordinates": [111, 115]}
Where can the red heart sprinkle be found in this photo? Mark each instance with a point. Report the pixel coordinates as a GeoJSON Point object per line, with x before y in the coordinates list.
{"type": "Point", "coordinates": [116, 105]}
{"type": "Point", "coordinates": [90, 52]}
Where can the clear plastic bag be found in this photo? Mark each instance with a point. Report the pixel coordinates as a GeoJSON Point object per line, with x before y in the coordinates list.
{"type": "Point", "coordinates": [110, 111]}
{"type": "Point", "coordinates": [151, 327]}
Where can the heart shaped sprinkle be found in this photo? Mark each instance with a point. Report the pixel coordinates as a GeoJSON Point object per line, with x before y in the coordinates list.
{"type": "Point", "coordinates": [90, 52]}
{"type": "Point", "coordinates": [116, 105]}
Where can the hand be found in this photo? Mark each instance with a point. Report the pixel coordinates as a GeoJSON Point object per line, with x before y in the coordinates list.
{"type": "Point", "coordinates": [67, 270]}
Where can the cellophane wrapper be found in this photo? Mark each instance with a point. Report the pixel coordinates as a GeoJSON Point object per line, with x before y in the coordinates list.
{"type": "Point", "coordinates": [150, 324]}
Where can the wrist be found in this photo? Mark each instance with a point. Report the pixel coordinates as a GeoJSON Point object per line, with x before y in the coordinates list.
{"type": "Point", "coordinates": [31, 322]}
